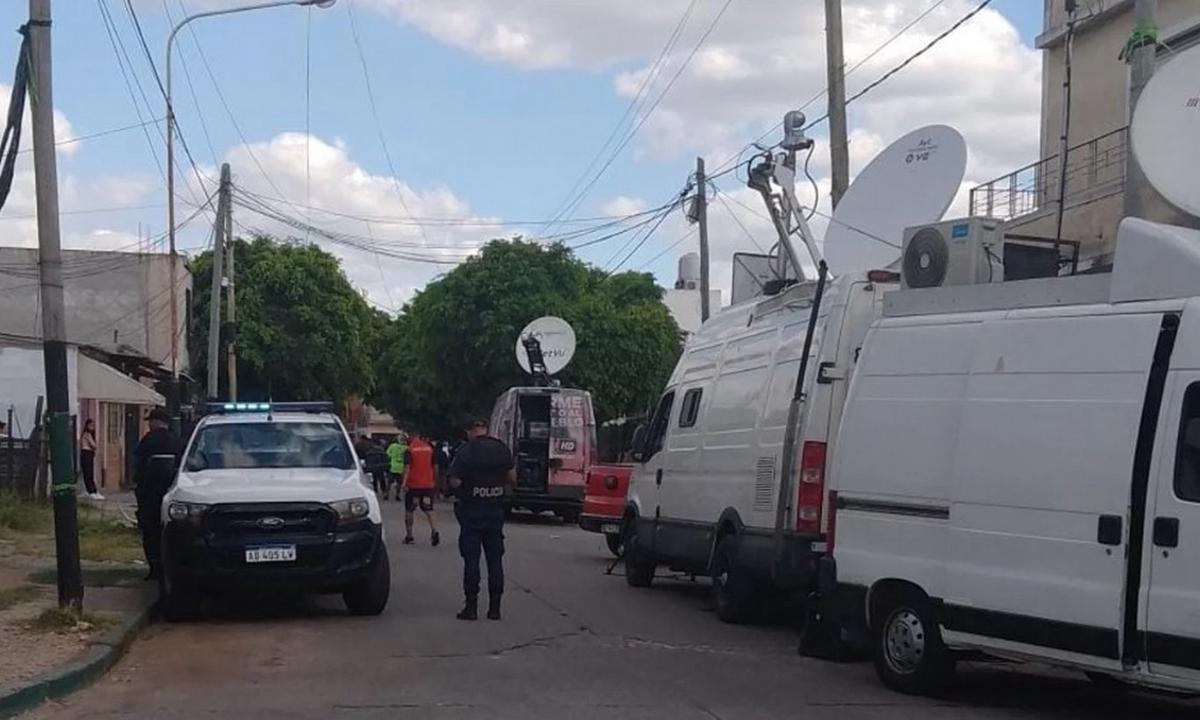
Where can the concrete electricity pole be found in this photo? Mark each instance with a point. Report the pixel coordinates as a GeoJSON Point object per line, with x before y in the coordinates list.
{"type": "Point", "coordinates": [702, 221]}
{"type": "Point", "coordinates": [839, 143]}
{"type": "Point", "coordinates": [214, 298]}
{"type": "Point", "coordinates": [1139, 196]}
{"type": "Point", "coordinates": [54, 333]}
{"type": "Point", "coordinates": [231, 307]}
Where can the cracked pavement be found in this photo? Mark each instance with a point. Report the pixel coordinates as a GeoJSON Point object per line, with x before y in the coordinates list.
{"type": "Point", "coordinates": [574, 643]}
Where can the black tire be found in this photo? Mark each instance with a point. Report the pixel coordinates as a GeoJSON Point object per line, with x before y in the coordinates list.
{"type": "Point", "coordinates": [369, 596]}
{"type": "Point", "coordinates": [735, 593]}
{"type": "Point", "coordinates": [614, 542]}
{"type": "Point", "coordinates": [909, 654]}
{"type": "Point", "coordinates": [639, 566]}
{"type": "Point", "coordinates": [176, 602]}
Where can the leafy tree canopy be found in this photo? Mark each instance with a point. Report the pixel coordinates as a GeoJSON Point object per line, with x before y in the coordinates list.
{"type": "Point", "coordinates": [303, 331]}
{"type": "Point", "coordinates": [450, 353]}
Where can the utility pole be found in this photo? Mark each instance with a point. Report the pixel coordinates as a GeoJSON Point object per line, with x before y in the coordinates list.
{"type": "Point", "coordinates": [1139, 196]}
{"type": "Point", "coordinates": [214, 298]}
{"type": "Point", "coordinates": [1064, 145]}
{"type": "Point", "coordinates": [839, 143]}
{"type": "Point", "coordinates": [702, 220]}
{"type": "Point", "coordinates": [231, 306]}
{"type": "Point", "coordinates": [54, 333]}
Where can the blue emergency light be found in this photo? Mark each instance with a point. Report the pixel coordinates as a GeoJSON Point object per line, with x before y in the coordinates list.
{"type": "Point", "coordinates": [268, 407]}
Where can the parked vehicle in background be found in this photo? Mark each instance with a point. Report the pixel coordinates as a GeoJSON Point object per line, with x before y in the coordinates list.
{"type": "Point", "coordinates": [552, 433]}
{"type": "Point", "coordinates": [604, 502]}
{"type": "Point", "coordinates": [272, 495]}
{"type": "Point", "coordinates": [1018, 473]}
{"type": "Point", "coordinates": [709, 494]}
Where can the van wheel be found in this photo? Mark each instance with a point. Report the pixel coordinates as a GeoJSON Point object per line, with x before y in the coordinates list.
{"type": "Point", "coordinates": [369, 596]}
{"type": "Point", "coordinates": [734, 591]}
{"type": "Point", "coordinates": [177, 603]}
{"type": "Point", "coordinates": [910, 656]}
{"type": "Point", "coordinates": [614, 543]}
{"type": "Point", "coordinates": [639, 566]}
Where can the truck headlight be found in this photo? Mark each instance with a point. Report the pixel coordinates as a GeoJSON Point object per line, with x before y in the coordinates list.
{"type": "Point", "coordinates": [351, 510]}
{"type": "Point", "coordinates": [186, 512]}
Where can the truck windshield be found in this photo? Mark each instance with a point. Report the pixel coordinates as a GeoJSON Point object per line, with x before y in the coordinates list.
{"type": "Point", "coordinates": [269, 445]}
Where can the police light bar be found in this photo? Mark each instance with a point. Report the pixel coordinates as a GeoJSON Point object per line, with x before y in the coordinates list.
{"type": "Point", "coordinates": [273, 407]}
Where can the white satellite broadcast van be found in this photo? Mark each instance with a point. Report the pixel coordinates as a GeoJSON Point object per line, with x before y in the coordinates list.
{"type": "Point", "coordinates": [1018, 473]}
{"type": "Point", "coordinates": [730, 471]}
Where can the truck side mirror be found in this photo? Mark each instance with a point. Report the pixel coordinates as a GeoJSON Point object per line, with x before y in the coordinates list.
{"type": "Point", "coordinates": [638, 444]}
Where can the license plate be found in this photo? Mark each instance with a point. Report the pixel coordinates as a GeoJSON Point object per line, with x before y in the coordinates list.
{"type": "Point", "coordinates": [273, 553]}
{"type": "Point", "coordinates": [610, 528]}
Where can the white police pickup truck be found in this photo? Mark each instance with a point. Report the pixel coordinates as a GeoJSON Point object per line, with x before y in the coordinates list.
{"type": "Point", "coordinates": [272, 496]}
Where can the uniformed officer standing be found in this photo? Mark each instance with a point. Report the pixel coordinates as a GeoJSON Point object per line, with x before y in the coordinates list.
{"type": "Point", "coordinates": [482, 477]}
{"type": "Point", "coordinates": [155, 459]}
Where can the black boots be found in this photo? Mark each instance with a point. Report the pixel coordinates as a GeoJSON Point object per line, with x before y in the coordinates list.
{"type": "Point", "coordinates": [470, 610]}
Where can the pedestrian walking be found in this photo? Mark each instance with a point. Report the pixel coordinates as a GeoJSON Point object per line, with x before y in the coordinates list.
{"type": "Point", "coordinates": [419, 484]}
{"type": "Point", "coordinates": [482, 478]}
{"type": "Point", "coordinates": [396, 452]}
{"type": "Point", "coordinates": [155, 460]}
{"type": "Point", "coordinates": [87, 458]}
{"type": "Point", "coordinates": [377, 465]}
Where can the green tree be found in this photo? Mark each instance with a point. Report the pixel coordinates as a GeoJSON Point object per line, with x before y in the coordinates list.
{"type": "Point", "coordinates": [303, 331]}
{"type": "Point", "coordinates": [451, 351]}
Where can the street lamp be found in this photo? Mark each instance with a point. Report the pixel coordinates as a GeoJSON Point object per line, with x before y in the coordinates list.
{"type": "Point", "coordinates": [173, 395]}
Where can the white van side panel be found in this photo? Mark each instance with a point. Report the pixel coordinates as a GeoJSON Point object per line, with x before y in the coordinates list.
{"type": "Point", "coordinates": [1045, 447]}
{"type": "Point", "coordinates": [892, 471]}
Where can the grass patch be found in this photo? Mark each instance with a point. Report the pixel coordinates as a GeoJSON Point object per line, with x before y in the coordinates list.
{"type": "Point", "coordinates": [93, 577]}
{"type": "Point", "coordinates": [60, 620]}
{"type": "Point", "coordinates": [31, 526]}
{"type": "Point", "coordinates": [23, 516]}
{"type": "Point", "coordinates": [13, 596]}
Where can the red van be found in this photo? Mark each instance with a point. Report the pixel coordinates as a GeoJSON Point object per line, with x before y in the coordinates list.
{"type": "Point", "coordinates": [604, 502]}
{"type": "Point", "coordinates": [552, 432]}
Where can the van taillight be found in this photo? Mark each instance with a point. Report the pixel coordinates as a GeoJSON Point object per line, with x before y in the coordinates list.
{"type": "Point", "coordinates": [812, 487]}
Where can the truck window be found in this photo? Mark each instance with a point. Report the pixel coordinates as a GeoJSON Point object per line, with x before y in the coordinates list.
{"type": "Point", "coordinates": [690, 409]}
{"type": "Point", "coordinates": [1187, 453]}
{"type": "Point", "coordinates": [658, 425]}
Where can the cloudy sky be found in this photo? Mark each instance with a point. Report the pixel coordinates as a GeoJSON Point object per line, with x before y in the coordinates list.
{"type": "Point", "coordinates": [482, 118]}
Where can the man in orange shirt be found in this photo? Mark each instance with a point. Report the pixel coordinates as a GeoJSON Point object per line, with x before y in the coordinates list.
{"type": "Point", "coordinates": [419, 484]}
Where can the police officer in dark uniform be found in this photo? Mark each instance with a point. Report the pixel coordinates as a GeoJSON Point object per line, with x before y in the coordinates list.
{"type": "Point", "coordinates": [155, 460]}
{"type": "Point", "coordinates": [482, 478]}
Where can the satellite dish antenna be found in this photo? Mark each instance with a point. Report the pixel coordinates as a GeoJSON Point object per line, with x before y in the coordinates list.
{"type": "Point", "coordinates": [557, 340]}
{"type": "Point", "coordinates": [1166, 130]}
{"type": "Point", "coordinates": [912, 182]}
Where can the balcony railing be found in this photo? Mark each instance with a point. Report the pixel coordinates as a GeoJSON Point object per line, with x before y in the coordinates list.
{"type": "Point", "coordinates": [1095, 170]}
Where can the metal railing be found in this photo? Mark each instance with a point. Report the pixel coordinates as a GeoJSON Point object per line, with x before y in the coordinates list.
{"type": "Point", "coordinates": [1095, 169]}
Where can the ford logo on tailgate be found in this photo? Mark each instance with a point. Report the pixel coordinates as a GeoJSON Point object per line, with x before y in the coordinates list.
{"type": "Point", "coordinates": [270, 522]}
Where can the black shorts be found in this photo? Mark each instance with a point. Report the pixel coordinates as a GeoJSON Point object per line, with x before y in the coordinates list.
{"type": "Point", "coordinates": [419, 496]}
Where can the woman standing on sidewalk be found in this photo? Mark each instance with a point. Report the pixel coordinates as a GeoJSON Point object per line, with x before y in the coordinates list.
{"type": "Point", "coordinates": [87, 458]}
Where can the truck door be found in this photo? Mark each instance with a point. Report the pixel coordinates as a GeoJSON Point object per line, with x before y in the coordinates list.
{"type": "Point", "coordinates": [1172, 582]}
{"type": "Point", "coordinates": [653, 461]}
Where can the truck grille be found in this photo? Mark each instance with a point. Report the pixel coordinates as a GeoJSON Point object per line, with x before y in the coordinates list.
{"type": "Point", "coordinates": [265, 519]}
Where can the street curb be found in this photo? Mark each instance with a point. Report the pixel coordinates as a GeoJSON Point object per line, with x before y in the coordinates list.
{"type": "Point", "coordinates": [95, 661]}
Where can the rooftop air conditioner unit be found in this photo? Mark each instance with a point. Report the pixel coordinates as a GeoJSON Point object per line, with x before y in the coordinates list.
{"type": "Point", "coordinates": [953, 252]}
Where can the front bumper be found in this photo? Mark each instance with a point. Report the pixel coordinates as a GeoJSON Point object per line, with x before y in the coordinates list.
{"type": "Point", "coordinates": [212, 555]}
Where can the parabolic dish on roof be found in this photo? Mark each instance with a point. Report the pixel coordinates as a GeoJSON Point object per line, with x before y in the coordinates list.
{"type": "Point", "coordinates": [911, 182]}
{"type": "Point", "coordinates": [557, 339]}
{"type": "Point", "coordinates": [1166, 130]}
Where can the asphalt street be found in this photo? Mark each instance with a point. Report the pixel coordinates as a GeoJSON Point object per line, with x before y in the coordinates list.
{"type": "Point", "coordinates": [574, 643]}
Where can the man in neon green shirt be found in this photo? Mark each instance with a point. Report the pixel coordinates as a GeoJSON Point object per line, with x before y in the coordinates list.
{"type": "Point", "coordinates": [396, 453]}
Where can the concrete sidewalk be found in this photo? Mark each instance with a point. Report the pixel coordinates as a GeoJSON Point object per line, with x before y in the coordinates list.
{"type": "Point", "coordinates": [123, 610]}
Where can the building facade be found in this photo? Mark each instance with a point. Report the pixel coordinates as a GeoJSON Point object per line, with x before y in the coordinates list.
{"type": "Point", "coordinates": [1027, 198]}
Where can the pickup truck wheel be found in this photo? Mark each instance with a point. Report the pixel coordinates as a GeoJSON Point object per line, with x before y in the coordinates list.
{"type": "Point", "coordinates": [910, 656]}
{"type": "Point", "coordinates": [639, 567]}
{"type": "Point", "coordinates": [177, 603]}
{"type": "Point", "coordinates": [734, 592]}
{"type": "Point", "coordinates": [369, 596]}
{"type": "Point", "coordinates": [613, 540]}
